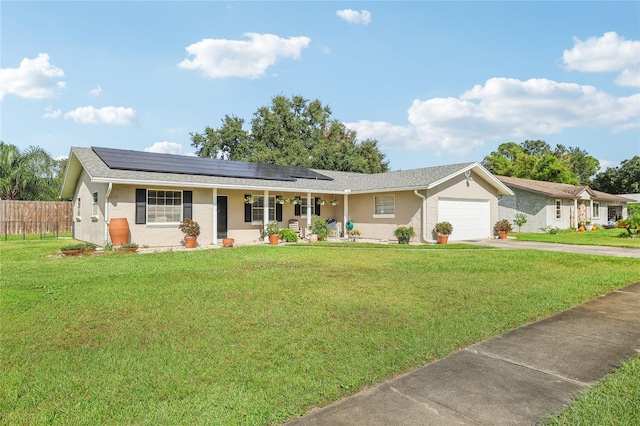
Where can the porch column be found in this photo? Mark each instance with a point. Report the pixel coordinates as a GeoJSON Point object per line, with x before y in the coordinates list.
{"type": "Point", "coordinates": [309, 209]}
{"type": "Point", "coordinates": [265, 216]}
{"type": "Point", "coordinates": [576, 213]}
{"type": "Point", "coordinates": [345, 214]}
{"type": "Point", "coordinates": [215, 216]}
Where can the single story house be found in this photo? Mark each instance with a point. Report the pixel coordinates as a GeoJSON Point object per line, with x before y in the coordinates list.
{"type": "Point", "coordinates": [558, 205]}
{"type": "Point", "coordinates": [155, 192]}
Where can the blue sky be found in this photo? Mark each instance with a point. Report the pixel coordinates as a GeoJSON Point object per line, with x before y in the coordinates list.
{"type": "Point", "coordinates": [434, 82]}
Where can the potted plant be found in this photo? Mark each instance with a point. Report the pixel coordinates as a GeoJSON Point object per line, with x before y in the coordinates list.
{"type": "Point", "coordinates": [353, 234]}
{"type": "Point", "coordinates": [129, 247]}
{"type": "Point", "coordinates": [404, 234]}
{"type": "Point", "coordinates": [288, 235]}
{"type": "Point", "coordinates": [273, 231]}
{"type": "Point", "coordinates": [443, 229]}
{"type": "Point", "coordinates": [321, 201]}
{"type": "Point", "coordinates": [319, 227]}
{"type": "Point", "coordinates": [282, 200]}
{"type": "Point", "coordinates": [72, 249]}
{"type": "Point", "coordinates": [227, 242]}
{"type": "Point", "coordinates": [502, 227]}
{"type": "Point", "coordinates": [191, 230]}
{"type": "Point", "coordinates": [334, 202]}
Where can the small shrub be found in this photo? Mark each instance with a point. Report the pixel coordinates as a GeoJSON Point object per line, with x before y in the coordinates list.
{"type": "Point", "coordinates": [288, 235]}
{"type": "Point", "coordinates": [190, 228]}
{"type": "Point", "coordinates": [552, 230]}
{"type": "Point", "coordinates": [320, 227]}
{"type": "Point", "coordinates": [444, 228]}
{"type": "Point", "coordinates": [404, 233]}
{"type": "Point", "coordinates": [502, 225]}
{"type": "Point", "coordinates": [519, 220]}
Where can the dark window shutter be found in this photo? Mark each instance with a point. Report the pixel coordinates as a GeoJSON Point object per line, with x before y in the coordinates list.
{"type": "Point", "coordinates": [297, 207]}
{"type": "Point", "coordinates": [247, 210]}
{"type": "Point", "coordinates": [317, 206]}
{"type": "Point", "coordinates": [278, 209]}
{"type": "Point", "coordinates": [141, 206]}
{"type": "Point", "coordinates": [187, 204]}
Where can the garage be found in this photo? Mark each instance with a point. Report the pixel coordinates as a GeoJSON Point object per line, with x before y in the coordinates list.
{"type": "Point", "coordinates": [471, 219]}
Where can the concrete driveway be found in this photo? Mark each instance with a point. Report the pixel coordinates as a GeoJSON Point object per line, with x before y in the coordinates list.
{"type": "Point", "coordinates": [567, 248]}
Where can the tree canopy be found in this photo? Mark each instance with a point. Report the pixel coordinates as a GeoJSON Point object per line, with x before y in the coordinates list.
{"type": "Point", "coordinates": [29, 175]}
{"type": "Point", "coordinates": [620, 180]}
{"type": "Point", "coordinates": [291, 131]}
{"type": "Point", "coordinates": [537, 160]}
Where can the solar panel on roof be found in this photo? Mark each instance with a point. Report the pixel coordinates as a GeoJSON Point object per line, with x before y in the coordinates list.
{"type": "Point", "coordinates": [181, 164]}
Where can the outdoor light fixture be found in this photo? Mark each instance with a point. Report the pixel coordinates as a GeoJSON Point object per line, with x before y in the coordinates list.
{"type": "Point", "coordinates": [467, 175]}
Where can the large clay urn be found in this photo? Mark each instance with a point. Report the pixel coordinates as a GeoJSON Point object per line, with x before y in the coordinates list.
{"type": "Point", "coordinates": [119, 231]}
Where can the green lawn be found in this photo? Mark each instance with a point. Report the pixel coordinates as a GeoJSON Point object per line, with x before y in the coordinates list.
{"type": "Point", "coordinates": [255, 335]}
{"type": "Point", "coordinates": [601, 237]}
{"type": "Point", "coordinates": [613, 401]}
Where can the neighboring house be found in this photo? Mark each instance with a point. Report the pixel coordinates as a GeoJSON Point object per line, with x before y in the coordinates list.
{"type": "Point", "coordinates": [156, 191]}
{"type": "Point", "coordinates": [558, 205]}
{"type": "Point", "coordinates": [635, 198]}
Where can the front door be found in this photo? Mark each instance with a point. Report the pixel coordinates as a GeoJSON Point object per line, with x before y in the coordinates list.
{"type": "Point", "coordinates": [222, 217]}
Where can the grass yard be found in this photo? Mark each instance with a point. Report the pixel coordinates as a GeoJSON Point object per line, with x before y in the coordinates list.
{"type": "Point", "coordinates": [600, 237]}
{"type": "Point", "coordinates": [613, 401]}
{"type": "Point", "coordinates": [255, 335]}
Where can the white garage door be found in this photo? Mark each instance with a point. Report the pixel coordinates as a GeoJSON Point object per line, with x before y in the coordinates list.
{"type": "Point", "coordinates": [470, 218]}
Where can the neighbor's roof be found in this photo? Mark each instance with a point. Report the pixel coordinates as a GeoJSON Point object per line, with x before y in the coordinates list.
{"type": "Point", "coordinates": [559, 190]}
{"type": "Point", "coordinates": [341, 182]}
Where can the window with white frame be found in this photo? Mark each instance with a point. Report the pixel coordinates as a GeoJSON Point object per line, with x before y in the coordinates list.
{"type": "Point", "coordinates": [384, 205]}
{"type": "Point", "coordinates": [558, 212]}
{"type": "Point", "coordinates": [257, 210]}
{"type": "Point", "coordinates": [78, 208]}
{"type": "Point", "coordinates": [303, 206]}
{"type": "Point", "coordinates": [94, 206]}
{"type": "Point", "coordinates": [595, 210]}
{"type": "Point", "coordinates": [164, 206]}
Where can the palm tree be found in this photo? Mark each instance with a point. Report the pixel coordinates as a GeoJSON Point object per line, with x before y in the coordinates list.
{"type": "Point", "coordinates": [30, 175]}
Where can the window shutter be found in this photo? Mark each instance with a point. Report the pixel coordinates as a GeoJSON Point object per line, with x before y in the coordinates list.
{"type": "Point", "coordinates": [141, 206]}
{"type": "Point", "coordinates": [297, 208]}
{"type": "Point", "coordinates": [187, 204]}
{"type": "Point", "coordinates": [278, 209]}
{"type": "Point", "coordinates": [317, 206]}
{"type": "Point", "coordinates": [247, 210]}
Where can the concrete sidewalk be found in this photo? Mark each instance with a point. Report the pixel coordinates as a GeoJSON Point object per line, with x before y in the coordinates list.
{"type": "Point", "coordinates": [520, 377]}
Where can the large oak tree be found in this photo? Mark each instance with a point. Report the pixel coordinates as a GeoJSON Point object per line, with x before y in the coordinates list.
{"type": "Point", "coordinates": [620, 180]}
{"type": "Point", "coordinates": [537, 160]}
{"type": "Point", "coordinates": [291, 131]}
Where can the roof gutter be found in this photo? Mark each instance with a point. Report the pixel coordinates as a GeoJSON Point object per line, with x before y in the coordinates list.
{"type": "Point", "coordinates": [106, 212]}
{"type": "Point", "coordinates": [423, 226]}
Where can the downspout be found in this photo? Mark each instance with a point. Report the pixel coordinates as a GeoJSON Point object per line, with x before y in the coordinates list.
{"type": "Point", "coordinates": [424, 215]}
{"type": "Point", "coordinates": [106, 213]}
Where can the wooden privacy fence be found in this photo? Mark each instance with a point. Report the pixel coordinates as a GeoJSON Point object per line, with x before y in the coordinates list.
{"type": "Point", "coordinates": [35, 217]}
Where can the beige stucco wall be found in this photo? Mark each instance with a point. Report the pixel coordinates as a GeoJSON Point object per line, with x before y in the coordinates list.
{"type": "Point", "coordinates": [408, 212]}
{"type": "Point", "coordinates": [459, 188]}
{"type": "Point", "coordinates": [87, 227]}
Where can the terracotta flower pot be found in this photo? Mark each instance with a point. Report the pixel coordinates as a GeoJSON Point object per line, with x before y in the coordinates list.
{"type": "Point", "coordinates": [227, 242]}
{"type": "Point", "coordinates": [273, 239]}
{"type": "Point", "coordinates": [190, 242]}
{"type": "Point", "coordinates": [502, 235]}
{"type": "Point", "coordinates": [443, 239]}
{"type": "Point", "coordinates": [119, 231]}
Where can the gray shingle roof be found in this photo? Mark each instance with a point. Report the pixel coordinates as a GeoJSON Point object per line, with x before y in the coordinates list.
{"type": "Point", "coordinates": [423, 178]}
{"type": "Point", "coordinates": [559, 190]}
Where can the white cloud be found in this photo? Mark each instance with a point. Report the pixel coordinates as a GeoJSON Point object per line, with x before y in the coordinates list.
{"type": "Point", "coordinates": [503, 109]}
{"type": "Point", "coordinates": [96, 91]}
{"type": "Point", "coordinates": [113, 116]}
{"type": "Point", "coordinates": [33, 79]}
{"type": "Point", "coordinates": [168, 148]}
{"type": "Point", "coordinates": [607, 53]}
{"type": "Point", "coordinates": [355, 17]}
{"type": "Point", "coordinates": [218, 58]}
{"type": "Point", "coordinates": [52, 113]}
